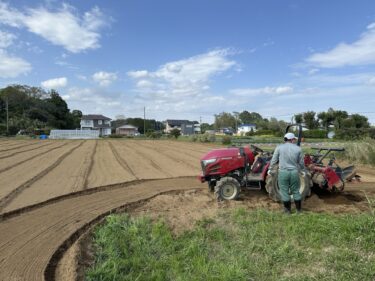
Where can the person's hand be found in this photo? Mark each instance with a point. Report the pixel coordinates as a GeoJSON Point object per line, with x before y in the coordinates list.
{"type": "Point", "coordinates": [270, 172]}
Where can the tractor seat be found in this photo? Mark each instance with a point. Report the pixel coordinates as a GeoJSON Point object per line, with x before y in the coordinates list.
{"type": "Point", "coordinates": [257, 166]}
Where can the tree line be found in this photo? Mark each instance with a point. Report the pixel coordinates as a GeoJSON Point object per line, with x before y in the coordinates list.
{"type": "Point", "coordinates": [31, 108]}
{"type": "Point", "coordinates": [343, 124]}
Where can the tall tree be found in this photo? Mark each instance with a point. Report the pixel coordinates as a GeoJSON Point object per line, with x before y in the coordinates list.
{"type": "Point", "coordinates": [309, 119]}
{"type": "Point", "coordinates": [339, 116]}
{"type": "Point", "coordinates": [224, 120]}
{"type": "Point", "coordinates": [298, 118]}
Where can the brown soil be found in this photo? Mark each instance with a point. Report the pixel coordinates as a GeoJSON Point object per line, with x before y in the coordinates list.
{"type": "Point", "coordinates": [156, 178]}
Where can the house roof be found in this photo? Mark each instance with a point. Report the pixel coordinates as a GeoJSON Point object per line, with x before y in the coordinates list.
{"type": "Point", "coordinates": [127, 127]}
{"type": "Point", "coordinates": [172, 122]}
{"type": "Point", "coordinates": [94, 117]}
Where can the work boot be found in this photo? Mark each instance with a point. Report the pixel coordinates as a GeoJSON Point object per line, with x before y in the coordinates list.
{"type": "Point", "coordinates": [287, 206]}
{"type": "Point", "coordinates": [298, 206]}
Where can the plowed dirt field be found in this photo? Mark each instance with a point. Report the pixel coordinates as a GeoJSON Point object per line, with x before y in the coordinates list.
{"type": "Point", "coordinates": [51, 192]}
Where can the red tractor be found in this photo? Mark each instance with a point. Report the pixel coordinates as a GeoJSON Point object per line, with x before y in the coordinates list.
{"type": "Point", "coordinates": [229, 170]}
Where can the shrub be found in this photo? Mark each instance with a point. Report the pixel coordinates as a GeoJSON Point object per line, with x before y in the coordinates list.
{"type": "Point", "coordinates": [193, 138]}
{"type": "Point", "coordinates": [351, 134]}
{"type": "Point", "coordinates": [264, 132]}
{"type": "Point", "coordinates": [314, 134]}
{"type": "Point", "coordinates": [116, 136]}
{"type": "Point", "coordinates": [207, 138]}
{"type": "Point", "coordinates": [226, 140]}
{"type": "Point", "coordinates": [175, 133]}
{"type": "Point", "coordinates": [155, 135]}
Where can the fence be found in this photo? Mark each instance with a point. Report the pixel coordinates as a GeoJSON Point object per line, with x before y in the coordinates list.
{"type": "Point", "coordinates": [74, 134]}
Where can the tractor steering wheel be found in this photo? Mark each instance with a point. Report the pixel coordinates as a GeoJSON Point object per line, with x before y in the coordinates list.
{"type": "Point", "coordinates": [256, 149]}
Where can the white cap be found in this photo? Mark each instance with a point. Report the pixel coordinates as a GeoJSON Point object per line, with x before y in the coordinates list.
{"type": "Point", "coordinates": [290, 136]}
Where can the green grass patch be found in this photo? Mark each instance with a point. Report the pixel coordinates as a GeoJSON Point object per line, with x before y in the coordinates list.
{"type": "Point", "coordinates": [237, 245]}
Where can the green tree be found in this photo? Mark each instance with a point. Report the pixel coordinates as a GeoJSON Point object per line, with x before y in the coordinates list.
{"type": "Point", "coordinates": [359, 121]}
{"type": "Point", "coordinates": [298, 118]}
{"type": "Point", "coordinates": [224, 120]}
{"type": "Point", "coordinates": [175, 133]}
{"type": "Point", "coordinates": [205, 127]}
{"type": "Point", "coordinates": [339, 116]}
{"type": "Point", "coordinates": [309, 120]}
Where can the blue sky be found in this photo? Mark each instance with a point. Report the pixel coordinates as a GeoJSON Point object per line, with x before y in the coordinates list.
{"type": "Point", "coordinates": [192, 59]}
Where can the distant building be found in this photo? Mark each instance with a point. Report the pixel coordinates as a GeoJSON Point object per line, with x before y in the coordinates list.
{"type": "Point", "coordinates": [96, 122]}
{"type": "Point", "coordinates": [127, 130]}
{"type": "Point", "coordinates": [185, 126]}
{"type": "Point", "coordinates": [245, 128]}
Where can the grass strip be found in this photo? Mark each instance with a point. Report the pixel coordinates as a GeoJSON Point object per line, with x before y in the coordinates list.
{"type": "Point", "coordinates": [237, 245]}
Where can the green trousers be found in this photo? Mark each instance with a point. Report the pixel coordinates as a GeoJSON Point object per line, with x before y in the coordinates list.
{"type": "Point", "coordinates": [289, 183]}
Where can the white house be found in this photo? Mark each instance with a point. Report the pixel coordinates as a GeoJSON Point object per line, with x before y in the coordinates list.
{"type": "Point", "coordinates": [96, 122]}
{"type": "Point", "coordinates": [245, 128]}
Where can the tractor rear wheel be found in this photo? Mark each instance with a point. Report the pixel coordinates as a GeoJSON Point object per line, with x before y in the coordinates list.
{"type": "Point", "coordinates": [227, 188]}
{"type": "Point", "coordinates": [273, 189]}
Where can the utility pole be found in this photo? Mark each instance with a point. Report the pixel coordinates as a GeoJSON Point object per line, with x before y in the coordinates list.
{"type": "Point", "coordinates": [144, 121]}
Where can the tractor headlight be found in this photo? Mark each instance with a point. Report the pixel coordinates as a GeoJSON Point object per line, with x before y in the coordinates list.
{"type": "Point", "coordinates": [209, 161]}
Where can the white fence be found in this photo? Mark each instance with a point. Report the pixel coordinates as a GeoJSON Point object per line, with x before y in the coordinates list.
{"type": "Point", "coordinates": [74, 134]}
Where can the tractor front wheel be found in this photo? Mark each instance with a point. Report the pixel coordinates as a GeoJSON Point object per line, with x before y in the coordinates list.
{"type": "Point", "coordinates": [227, 188]}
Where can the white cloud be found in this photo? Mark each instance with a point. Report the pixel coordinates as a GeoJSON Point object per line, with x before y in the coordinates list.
{"type": "Point", "coordinates": [138, 74]}
{"type": "Point", "coordinates": [262, 91]}
{"type": "Point", "coordinates": [186, 77]}
{"type": "Point", "coordinates": [104, 78]}
{"type": "Point", "coordinates": [181, 87]}
{"type": "Point", "coordinates": [91, 100]}
{"type": "Point", "coordinates": [63, 27]}
{"type": "Point", "coordinates": [6, 39]}
{"type": "Point", "coordinates": [360, 52]}
{"type": "Point", "coordinates": [11, 66]}
{"type": "Point", "coordinates": [144, 84]}
{"type": "Point", "coordinates": [313, 71]}
{"type": "Point", "coordinates": [55, 83]}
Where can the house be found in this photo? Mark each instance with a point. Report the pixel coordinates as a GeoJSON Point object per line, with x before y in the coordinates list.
{"type": "Point", "coordinates": [96, 122]}
{"type": "Point", "coordinates": [245, 128]}
{"type": "Point", "coordinates": [185, 126]}
{"type": "Point", "coordinates": [127, 130]}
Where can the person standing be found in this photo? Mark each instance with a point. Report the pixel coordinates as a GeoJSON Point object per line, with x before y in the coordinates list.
{"type": "Point", "coordinates": [291, 163]}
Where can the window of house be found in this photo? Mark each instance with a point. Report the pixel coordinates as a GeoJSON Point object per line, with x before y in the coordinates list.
{"type": "Point", "coordinates": [106, 122]}
{"type": "Point", "coordinates": [99, 122]}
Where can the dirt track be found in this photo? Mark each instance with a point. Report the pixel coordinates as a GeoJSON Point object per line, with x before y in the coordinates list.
{"type": "Point", "coordinates": [51, 192]}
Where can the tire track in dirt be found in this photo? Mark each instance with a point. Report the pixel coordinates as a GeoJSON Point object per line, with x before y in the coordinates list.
{"type": "Point", "coordinates": [198, 147]}
{"type": "Point", "coordinates": [140, 165]}
{"type": "Point", "coordinates": [121, 160]}
{"type": "Point", "coordinates": [32, 157]}
{"type": "Point", "coordinates": [67, 177]}
{"type": "Point", "coordinates": [34, 241]}
{"type": "Point", "coordinates": [151, 161]}
{"type": "Point", "coordinates": [194, 154]}
{"type": "Point", "coordinates": [20, 146]}
{"type": "Point", "coordinates": [91, 164]}
{"type": "Point", "coordinates": [27, 150]}
{"type": "Point", "coordinates": [6, 200]}
{"type": "Point", "coordinates": [166, 153]}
